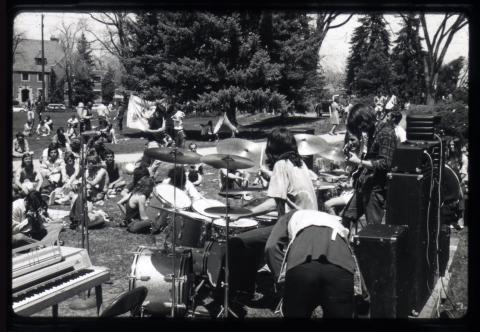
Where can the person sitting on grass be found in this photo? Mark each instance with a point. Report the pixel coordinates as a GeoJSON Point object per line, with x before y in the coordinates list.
{"type": "Point", "coordinates": [207, 131]}
{"type": "Point", "coordinates": [28, 128]}
{"type": "Point", "coordinates": [96, 179]}
{"type": "Point", "coordinates": [236, 179]}
{"type": "Point", "coordinates": [72, 181]}
{"type": "Point", "coordinates": [134, 208]}
{"type": "Point", "coordinates": [51, 170]}
{"type": "Point", "coordinates": [117, 183]}
{"type": "Point", "coordinates": [107, 133]}
{"type": "Point", "coordinates": [26, 178]}
{"type": "Point", "coordinates": [72, 126]}
{"type": "Point", "coordinates": [29, 216]}
{"type": "Point", "coordinates": [196, 171]}
{"type": "Point", "coordinates": [45, 152]}
{"type": "Point", "coordinates": [20, 145]}
{"type": "Point", "coordinates": [139, 172]}
{"type": "Point", "coordinates": [62, 141]}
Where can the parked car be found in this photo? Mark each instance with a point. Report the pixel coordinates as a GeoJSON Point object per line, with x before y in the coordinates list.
{"type": "Point", "coordinates": [18, 109]}
{"type": "Point", "coordinates": [56, 108]}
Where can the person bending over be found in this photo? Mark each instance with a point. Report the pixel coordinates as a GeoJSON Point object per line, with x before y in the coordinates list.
{"type": "Point", "coordinates": [290, 187]}
{"type": "Point", "coordinates": [308, 253]}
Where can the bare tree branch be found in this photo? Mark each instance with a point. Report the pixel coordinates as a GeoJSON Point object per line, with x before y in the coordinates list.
{"type": "Point", "coordinates": [343, 23]}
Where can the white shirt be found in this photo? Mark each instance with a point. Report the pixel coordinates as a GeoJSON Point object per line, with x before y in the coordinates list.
{"type": "Point", "coordinates": [18, 215]}
{"type": "Point", "coordinates": [392, 102]}
{"type": "Point", "coordinates": [400, 133]}
{"type": "Point", "coordinates": [178, 120]}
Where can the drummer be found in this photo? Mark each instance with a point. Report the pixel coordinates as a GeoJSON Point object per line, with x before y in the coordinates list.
{"type": "Point", "coordinates": [290, 187]}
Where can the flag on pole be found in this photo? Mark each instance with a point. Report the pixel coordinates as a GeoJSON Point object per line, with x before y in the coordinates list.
{"type": "Point", "coordinates": [138, 113]}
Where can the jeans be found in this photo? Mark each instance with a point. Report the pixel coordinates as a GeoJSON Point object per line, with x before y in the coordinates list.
{"type": "Point", "coordinates": [246, 257]}
{"type": "Point", "coordinates": [318, 283]}
{"type": "Point", "coordinates": [368, 202]}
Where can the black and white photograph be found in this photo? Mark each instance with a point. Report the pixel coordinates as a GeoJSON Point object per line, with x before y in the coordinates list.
{"type": "Point", "coordinates": [239, 164]}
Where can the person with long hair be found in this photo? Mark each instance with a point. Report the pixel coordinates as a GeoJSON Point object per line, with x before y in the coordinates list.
{"type": "Point", "coordinates": [51, 168]}
{"type": "Point", "coordinates": [61, 139]}
{"type": "Point", "coordinates": [26, 178]}
{"type": "Point", "coordinates": [117, 183]}
{"type": "Point", "coordinates": [20, 145]}
{"type": "Point", "coordinates": [377, 145]}
{"type": "Point", "coordinates": [43, 129]}
{"type": "Point", "coordinates": [290, 187]}
{"type": "Point", "coordinates": [96, 179]}
{"type": "Point", "coordinates": [71, 176]}
{"type": "Point", "coordinates": [28, 217]}
{"type": "Point", "coordinates": [136, 219]}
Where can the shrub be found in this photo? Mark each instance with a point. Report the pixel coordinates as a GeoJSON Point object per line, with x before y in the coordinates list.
{"type": "Point", "coordinates": [454, 116]}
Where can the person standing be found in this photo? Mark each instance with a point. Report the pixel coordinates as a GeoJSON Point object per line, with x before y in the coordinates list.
{"type": "Point", "coordinates": [334, 115]}
{"type": "Point", "coordinates": [179, 133]}
{"type": "Point", "coordinates": [121, 112]}
{"type": "Point", "coordinates": [377, 145]}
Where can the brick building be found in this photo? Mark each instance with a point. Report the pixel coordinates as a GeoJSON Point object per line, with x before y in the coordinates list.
{"type": "Point", "coordinates": [27, 68]}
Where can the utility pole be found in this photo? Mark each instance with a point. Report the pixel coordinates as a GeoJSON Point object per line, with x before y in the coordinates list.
{"type": "Point", "coordinates": [43, 71]}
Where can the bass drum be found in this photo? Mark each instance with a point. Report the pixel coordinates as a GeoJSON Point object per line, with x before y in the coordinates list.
{"type": "Point", "coordinates": [152, 268]}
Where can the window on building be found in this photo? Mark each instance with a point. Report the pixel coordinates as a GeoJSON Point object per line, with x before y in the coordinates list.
{"type": "Point", "coordinates": [25, 77]}
{"type": "Point", "coordinates": [38, 61]}
{"type": "Point", "coordinates": [40, 77]}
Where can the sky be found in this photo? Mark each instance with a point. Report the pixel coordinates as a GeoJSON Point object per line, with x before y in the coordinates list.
{"type": "Point", "coordinates": [334, 51]}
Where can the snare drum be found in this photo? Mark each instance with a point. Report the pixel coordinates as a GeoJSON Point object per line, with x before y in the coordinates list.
{"type": "Point", "coordinates": [235, 227]}
{"type": "Point", "coordinates": [267, 219]}
{"type": "Point", "coordinates": [200, 205]}
{"type": "Point", "coordinates": [165, 194]}
{"type": "Point", "coordinates": [152, 268]}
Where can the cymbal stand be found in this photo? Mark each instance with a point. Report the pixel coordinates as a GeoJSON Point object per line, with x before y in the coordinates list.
{"type": "Point", "coordinates": [174, 234]}
{"type": "Point", "coordinates": [225, 310]}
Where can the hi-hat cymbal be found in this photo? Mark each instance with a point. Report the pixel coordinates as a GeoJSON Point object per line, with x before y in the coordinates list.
{"type": "Point", "coordinates": [311, 144]}
{"type": "Point", "coordinates": [227, 161]}
{"type": "Point", "coordinates": [333, 154]}
{"type": "Point", "coordinates": [242, 148]}
{"type": "Point", "coordinates": [222, 211]}
{"type": "Point", "coordinates": [173, 155]}
{"type": "Point", "coordinates": [242, 191]}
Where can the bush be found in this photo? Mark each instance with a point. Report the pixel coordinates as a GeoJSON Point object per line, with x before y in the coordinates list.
{"type": "Point", "coordinates": [454, 116]}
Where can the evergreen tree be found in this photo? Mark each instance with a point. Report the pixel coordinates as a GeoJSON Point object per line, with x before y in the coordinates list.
{"type": "Point", "coordinates": [368, 64]}
{"type": "Point", "coordinates": [407, 61]}
{"type": "Point", "coordinates": [222, 62]}
{"type": "Point", "coordinates": [83, 82]}
{"type": "Point", "coordinates": [448, 77]}
{"type": "Point", "coordinates": [108, 86]}
{"type": "Point", "coordinates": [55, 88]}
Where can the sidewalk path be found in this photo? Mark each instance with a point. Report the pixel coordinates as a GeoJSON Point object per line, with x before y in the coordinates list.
{"type": "Point", "coordinates": [133, 157]}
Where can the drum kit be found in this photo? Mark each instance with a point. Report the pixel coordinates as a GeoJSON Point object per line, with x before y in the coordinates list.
{"type": "Point", "coordinates": [200, 229]}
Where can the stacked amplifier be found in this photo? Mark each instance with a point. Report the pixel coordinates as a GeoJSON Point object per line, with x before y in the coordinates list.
{"type": "Point", "coordinates": [412, 201]}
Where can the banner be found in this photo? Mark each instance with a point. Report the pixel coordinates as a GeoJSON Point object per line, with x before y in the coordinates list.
{"type": "Point", "coordinates": [138, 113]}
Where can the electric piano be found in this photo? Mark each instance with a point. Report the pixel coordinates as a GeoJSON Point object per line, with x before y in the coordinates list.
{"type": "Point", "coordinates": [45, 276]}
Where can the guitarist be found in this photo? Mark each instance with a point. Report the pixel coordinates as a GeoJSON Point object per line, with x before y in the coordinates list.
{"type": "Point", "coordinates": [377, 144]}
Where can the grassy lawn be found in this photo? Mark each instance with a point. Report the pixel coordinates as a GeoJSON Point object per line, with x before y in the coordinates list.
{"type": "Point", "coordinates": [114, 247]}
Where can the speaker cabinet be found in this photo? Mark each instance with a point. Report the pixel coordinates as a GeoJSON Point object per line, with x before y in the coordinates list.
{"type": "Point", "coordinates": [380, 251]}
{"type": "Point", "coordinates": [408, 203]}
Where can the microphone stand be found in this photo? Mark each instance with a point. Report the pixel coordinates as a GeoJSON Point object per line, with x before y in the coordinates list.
{"type": "Point", "coordinates": [174, 241]}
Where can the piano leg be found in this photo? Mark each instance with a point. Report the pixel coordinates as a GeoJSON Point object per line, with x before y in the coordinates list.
{"type": "Point", "coordinates": [55, 310]}
{"type": "Point", "coordinates": [98, 296]}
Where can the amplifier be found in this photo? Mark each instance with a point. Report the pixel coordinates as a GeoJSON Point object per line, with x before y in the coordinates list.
{"type": "Point", "coordinates": [409, 157]}
{"type": "Point", "coordinates": [408, 203]}
{"type": "Point", "coordinates": [422, 127]}
{"type": "Point", "coordinates": [380, 251]}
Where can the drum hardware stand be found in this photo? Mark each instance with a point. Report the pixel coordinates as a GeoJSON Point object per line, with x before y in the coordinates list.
{"type": "Point", "coordinates": [174, 241]}
{"type": "Point", "coordinates": [225, 309]}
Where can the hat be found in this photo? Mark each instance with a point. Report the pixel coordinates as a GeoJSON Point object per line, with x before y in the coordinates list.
{"type": "Point", "coordinates": [80, 105]}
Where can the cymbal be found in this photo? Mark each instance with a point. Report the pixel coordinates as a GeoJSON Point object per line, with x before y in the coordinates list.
{"type": "Point", "coordinates": [171, 155]}
{"type": "Point", "coordinates": [242, 148]}
{"type": "Point", "coordinates": [242, 191]}
{"type": "Point", "coordinates": [222, 160]}
{"type": "Point", "coordinates": [311, 144]}
{"type": "Point", "coordinates": [333, 154]}
{"type": "Point", "coordinates": [221, 211]}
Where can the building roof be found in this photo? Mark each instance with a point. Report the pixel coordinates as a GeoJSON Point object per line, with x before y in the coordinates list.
{"type": "Point", "coordinates": [29, 49]}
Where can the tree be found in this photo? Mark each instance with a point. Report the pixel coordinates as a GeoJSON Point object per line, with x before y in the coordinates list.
{"type": "Point", "coordinates": [222, 62]}
{"type": "Point", "coordinates": [368, 64]}
{"type": "Point", "coordinates": [437, 47]}
{"type": "Point", "coordinates": [18, 37]}
{"type": "Point", "coordinates": [83, 83]}
{"type": "Point", "coordinates": [448, 77]}
{"type": "Point", "coordinates": [115, 37]}
{"type": "Point", "coordinates": [68, 34]}
{"type": "Point", "coordinates": [407, 61]}
{"type": "Point", "coordinates": [108, 86]}
{"type": "Point", "coordinates": [326, 22]}
{"type": "Point", "coordinates": [55, 88]}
